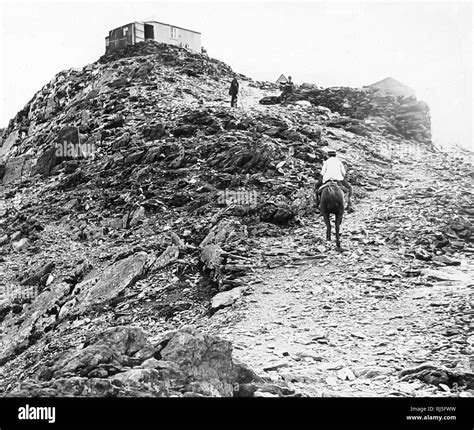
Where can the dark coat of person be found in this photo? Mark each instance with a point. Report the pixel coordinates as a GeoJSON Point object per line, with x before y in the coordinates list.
{"type": "Point", "coordinates": [234, 87]}
{"type": "Point", "coordinates": [288, 89]}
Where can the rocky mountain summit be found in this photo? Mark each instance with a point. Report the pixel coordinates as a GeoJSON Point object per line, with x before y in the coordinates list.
{"type": "Point", "coordinates": [144, 224]}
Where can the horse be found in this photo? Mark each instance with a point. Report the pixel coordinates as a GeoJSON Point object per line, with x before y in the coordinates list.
{"type": "Point", "coordinates": [332, 202]}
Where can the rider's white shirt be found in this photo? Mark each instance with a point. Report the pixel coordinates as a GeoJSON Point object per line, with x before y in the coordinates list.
{"type": "Point", "coordinates": [333, 169]}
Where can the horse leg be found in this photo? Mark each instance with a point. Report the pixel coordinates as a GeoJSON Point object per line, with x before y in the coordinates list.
{"type": "Point", "coordinates": [350, 190]}
{"type": "Point", "coordinates": [327, 221]}
{"type": "Point", "coordinates": [338, 223]}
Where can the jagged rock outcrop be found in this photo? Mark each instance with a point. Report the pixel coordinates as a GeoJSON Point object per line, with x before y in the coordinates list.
{"type": "Point", "coordinates": [400, 115]}
{"type": "Point", "coordinates": [37, 317]}
{"type": "Point", "coordinates": [121, 362]}
{"type": "Point", "coordinates": [60, 300]}
{"type": "Point", "coordinates": [100, 288]}
{"type": "Point", "coordinates": [435, 375]}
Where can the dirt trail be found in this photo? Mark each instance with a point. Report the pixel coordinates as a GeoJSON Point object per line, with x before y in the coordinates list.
{"type": "Point", "coordinates": [332, 323]}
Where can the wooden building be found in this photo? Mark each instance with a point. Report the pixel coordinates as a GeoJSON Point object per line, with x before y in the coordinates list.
{"type": "Point", "coordinates": [135, 32]}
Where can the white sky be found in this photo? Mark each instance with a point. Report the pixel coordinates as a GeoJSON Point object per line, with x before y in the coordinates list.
{"type": "Point", "coordinates": [426, 45]}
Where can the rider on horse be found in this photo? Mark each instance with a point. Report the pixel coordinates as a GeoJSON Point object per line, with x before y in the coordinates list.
{"type": "Point", "coordinates": [334, 170]}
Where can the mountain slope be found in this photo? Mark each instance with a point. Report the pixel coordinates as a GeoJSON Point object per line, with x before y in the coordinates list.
{"type": "Point", "coordinates": [157, 213]}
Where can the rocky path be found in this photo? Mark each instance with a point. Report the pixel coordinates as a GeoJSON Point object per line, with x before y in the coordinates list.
{"type": "Point", "coordinates": [330, 323]}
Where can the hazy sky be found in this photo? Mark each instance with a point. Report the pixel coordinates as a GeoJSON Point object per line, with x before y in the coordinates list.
{"type": "Point", "coordinates": [426, 45]}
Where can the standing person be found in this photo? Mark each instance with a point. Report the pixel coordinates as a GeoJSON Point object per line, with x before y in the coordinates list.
{"type": "Point", "coordinates": [234, 91]}
{"type": "Point", "coordinates": [289, 87]}
{"type": "Point", "coordinates": [333, 169]}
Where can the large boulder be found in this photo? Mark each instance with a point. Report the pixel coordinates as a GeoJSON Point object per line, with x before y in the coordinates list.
{"type": "Point", "coordinates": [106, 355]}
{"type": "Point", "coordinates": [277, 210]}
{"type": "Point", "coordinates": [143, 382]}
{"type": "Point", "coordinates": [107, 285]}
{"type": "Point", "coordinates": [46, 162]}
{"type": "Point", "coordinates": [205, 362]}
{"type": "Point", "coordinates": [226, 298]}
{"type": "Point", "coordinates": [120, 362]}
